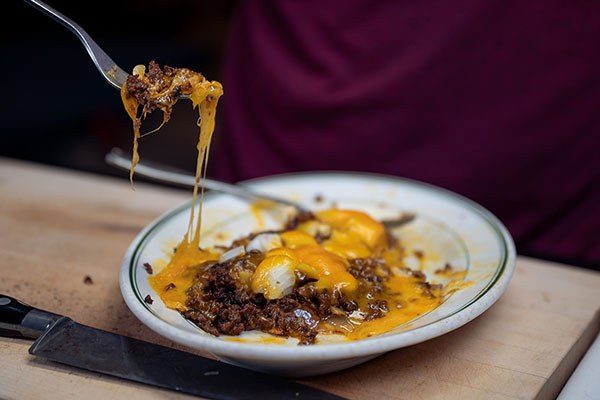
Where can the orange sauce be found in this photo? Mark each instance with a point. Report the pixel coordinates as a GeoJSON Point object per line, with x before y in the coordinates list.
{"type": "Point", "coordinates": [406, 301]}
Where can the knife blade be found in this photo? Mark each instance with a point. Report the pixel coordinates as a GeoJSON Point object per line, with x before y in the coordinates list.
{"type": "Point", "coordinates": [65, 341]}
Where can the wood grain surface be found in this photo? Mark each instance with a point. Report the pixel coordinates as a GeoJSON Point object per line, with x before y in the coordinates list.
{"type": "Point", "coordinates": [59, 226]}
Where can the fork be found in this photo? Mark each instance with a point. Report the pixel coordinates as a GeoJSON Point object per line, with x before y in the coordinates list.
{"type": "Point", "coordinates": [164, 174]}
{"type": "Point", "coordinates": [113, 74]}
{"type": "Point", "coordinates": [161, 173]}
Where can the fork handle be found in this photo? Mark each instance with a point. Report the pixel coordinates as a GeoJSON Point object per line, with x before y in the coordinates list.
{"type": "Point", "coordinates": [164, 174]}
{"type": "Point", "coordinates": [107, 67]}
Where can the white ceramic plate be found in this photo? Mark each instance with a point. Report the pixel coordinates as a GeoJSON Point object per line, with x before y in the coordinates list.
{"type": "Point", "coordinates": [448, 227]}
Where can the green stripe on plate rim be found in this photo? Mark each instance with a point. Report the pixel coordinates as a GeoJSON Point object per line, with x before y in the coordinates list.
{"type": "Point", "coordinates": [478, 209]}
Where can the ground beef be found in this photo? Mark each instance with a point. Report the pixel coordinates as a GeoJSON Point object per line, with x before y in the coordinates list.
{"type": "Point", "coordinates": [418, 274]}
{"type": "Point", "coordinates": [429, 290]}
{"type": "Point", "coordinates": [146, 89]}
{"type": "Point", "coordinates": [369, 272]}
{"type": "Point", "coordinates": [221, 302]}
{"type": "Point", "coordinates": [376, 309]}
{"type": "Point", "coordinates": [137, 89]}
{"type": "Point", "coordinates": [298, 218]}
{"type": "Point", "coordinates": [419, 254]}
{"type": "Point", "coordinates": [148, 268]}
{"type": "Point", "coordinates": [446, 270]}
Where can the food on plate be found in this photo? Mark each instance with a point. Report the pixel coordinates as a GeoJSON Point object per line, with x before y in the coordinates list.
{"type": "Point", "coordinates": [332, 272]}
{"type": "Point", "coordinates": [158, 88]}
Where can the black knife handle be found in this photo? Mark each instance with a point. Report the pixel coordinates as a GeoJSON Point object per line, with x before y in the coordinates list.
{"type": "Point", "coordinates": [20, 320]}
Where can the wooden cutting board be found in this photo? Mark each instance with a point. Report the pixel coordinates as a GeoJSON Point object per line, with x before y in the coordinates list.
{"type": "Point", "coordinates": [59, 226]}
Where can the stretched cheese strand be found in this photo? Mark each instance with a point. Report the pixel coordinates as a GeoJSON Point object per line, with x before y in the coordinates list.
{"type": "Point", "coordinates": [204, 95]}
{"type": "Point", "coordinates": [131, 106]}
{"type": "Point", "coordinates": [188, 255]}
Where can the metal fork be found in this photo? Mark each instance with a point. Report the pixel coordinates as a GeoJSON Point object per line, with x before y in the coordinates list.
{"type": "Point", "coordinates": [115, 76]}
{"type": "Point", "coordinates": [161, 173]}
{"type": "Point", "coordinates": [107, 67]}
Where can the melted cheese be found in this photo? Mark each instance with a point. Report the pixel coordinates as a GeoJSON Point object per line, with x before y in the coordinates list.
{"type": "Point", "coordinates": [407, 297]}
{"type": "Point", "coordinates": [355, 234]}
{"type": "Point", "coordinates": [406, 301]}
{"type": "Point", "coordinates": [347, 245]}
{"type": "Point", "coordinates": [328, 269]}
{"type": "Point", "coordinates": [131, 106]}
{"type": "Point", "coordinates": [188, 257]}
{"type": "Point", "coordinates": [180, 272]}
{"type": "Point", "coordinates": [331, 269]}
{"type": "Point", "coordinates": [296, 238]}
{"type": "Point", "coordinates": [274, 277]}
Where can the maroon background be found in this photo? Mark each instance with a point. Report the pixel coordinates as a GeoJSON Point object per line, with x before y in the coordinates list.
{"type": "Point", "coordinates": [496, 100]}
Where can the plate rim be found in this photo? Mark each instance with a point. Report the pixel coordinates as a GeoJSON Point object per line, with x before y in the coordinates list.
{"type": "Point", "coordinates": [363, 347]}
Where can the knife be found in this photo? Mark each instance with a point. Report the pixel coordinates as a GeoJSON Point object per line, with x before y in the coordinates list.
{"type": "Point", "coordinates": [63, 340]}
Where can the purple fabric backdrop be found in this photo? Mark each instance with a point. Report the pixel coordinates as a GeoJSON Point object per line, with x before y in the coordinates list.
{"type": "Point", "coordinates": [496, 100]}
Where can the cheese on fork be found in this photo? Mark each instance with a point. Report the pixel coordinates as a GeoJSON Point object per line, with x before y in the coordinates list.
{"type": "Point", "coordinates": [158, 88]}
